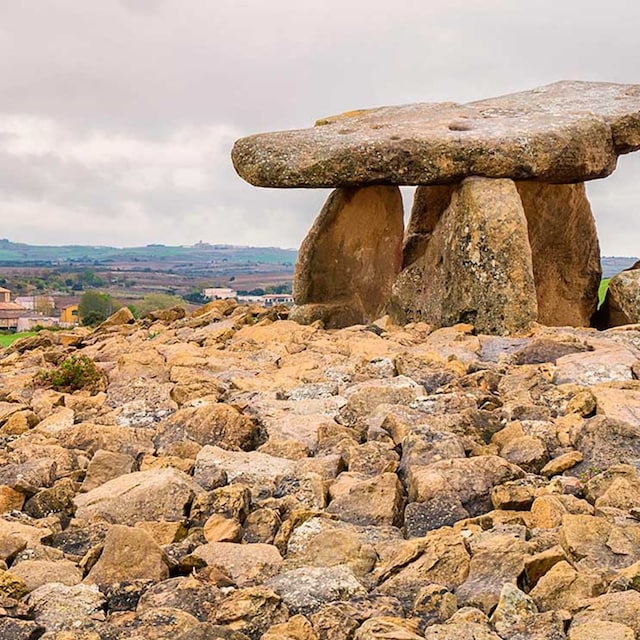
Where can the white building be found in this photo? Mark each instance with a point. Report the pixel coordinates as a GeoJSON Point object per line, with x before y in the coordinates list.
{"type": "Point", "coordinates": [270, 300]}
{"type": "Point", "coordinates": [219, 293]}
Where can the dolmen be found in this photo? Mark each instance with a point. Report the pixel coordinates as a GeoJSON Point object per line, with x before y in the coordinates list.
{"type": "Point", "coordinates": [501, 233]}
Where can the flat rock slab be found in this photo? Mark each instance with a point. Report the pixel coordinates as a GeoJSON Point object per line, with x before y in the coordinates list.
{"type": "Point", "coordinates": [564, 132]}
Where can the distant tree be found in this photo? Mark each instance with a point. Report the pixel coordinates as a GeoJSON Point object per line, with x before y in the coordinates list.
{"type": "Point", "coordinates": [43, 305]}
{"type": "Point", "coordinates": [195, 297]}
{"type": "Point", "coordinates": [95, 307]}
{"type": "Point", "coordinates": [155, 301]}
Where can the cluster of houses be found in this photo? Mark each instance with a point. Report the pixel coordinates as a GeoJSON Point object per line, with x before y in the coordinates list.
{"type": "Point", "coordinates": [26, 312]}
{"type": "Point", "coordinates": [267, 300]}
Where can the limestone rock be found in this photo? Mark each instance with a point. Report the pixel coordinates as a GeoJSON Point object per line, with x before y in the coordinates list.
{"type": "Point", "coordinates": [208, 423]}
{"type": "Point", "coordinates": [622, 608]}
{"type": "Point", "coordinates": [154, 624]}
{"type": "Point", "coordinates": [497, 560]}
{"type": "Point", "coordinates": [622, 302]}
{"type": "Point", "coordinates": [600, 630]}
{"type": "Point", "coordinates": [594, 544]}
{"type": "Point", "coordinates": [477, 267]}
{"type": "Point", "coordinates": [322, 542]}
{"type": "Point", "coordinates": [308, 588]}
{"type": "Point", "coordinates": [128, 554]}
{"type": "Point", "coordinates": [565, 252]}
{"type": "Point", "coordinates": [351, 255]}
{"type": "Point", "coordinates": [244, 563]}
{"type": "Point", "coordinates": [376, 501]}
{"type": "Point", "coordinates": [618, 487]}
{"type": "Point", "coordinates": [439, 511]}
{"type": "Point", "coordinates": [429, 203]}
{"type": "Point", "coordinates": [190, 594]}
{"type": "Point", "coordinates": [588, 368]}
{"type": "Point", "coordinates": [619, 402]}
{"type": "Point", "coordinates": [296, 628]}
{"type": "Point", "coordinates": [105, 466]}
{"type": "Point", "coordinates": [383, 627]}
{"type": "Point", "coordinates": [562, 587]}
{"type": "Point", "coordinates": [161, 494]}
{"type": "Point", "coordinates": [220, 529]}
{"type": "Point", "coordinates": [120, 317]}
{"type": "Point", "coordinates": [56, 606]}
{"type": "Point", "coordinates": [251, 611]}
{"type": "Point", "coordinates": [251, 467]}
{"type": "Point", "coordinates": [35, 573]}
{"type": "Point", "coordinates": [470, 480]}
{"type": "Point", "coordinates": [605, 442]}
{"type": "Point", "coordinates": [562, 463]}
{"type": "Point", "coordinates": [460, 631]}
{"type": "Point", "coordinates": [564, 132]}
{"type": "Point", "coordinates": [440, 557]}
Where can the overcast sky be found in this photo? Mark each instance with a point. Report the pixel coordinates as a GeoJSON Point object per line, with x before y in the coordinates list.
{"type": "Point", "coordinates": [117, 116]}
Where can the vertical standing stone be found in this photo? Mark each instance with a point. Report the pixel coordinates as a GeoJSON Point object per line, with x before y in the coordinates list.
{"type": "Point", "coordinates": [565, 251]}
{"type": "Point", "coordinates": [477, 265]}
{"type": "Point", "coordinates": [350, 257]}
{"type": "Point", "coordinates": [429, 203]}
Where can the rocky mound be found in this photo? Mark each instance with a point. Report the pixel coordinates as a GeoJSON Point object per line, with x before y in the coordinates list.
{"type": "Point", "coordinates": [235, 475]}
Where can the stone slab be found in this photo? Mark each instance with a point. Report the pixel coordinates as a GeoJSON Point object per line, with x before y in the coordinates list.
{"type": "Point", "coordinates": [564, 132]}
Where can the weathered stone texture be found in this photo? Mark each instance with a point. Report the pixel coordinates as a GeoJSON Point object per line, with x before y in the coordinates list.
{"type": "Point", "coordinates": [564, 250]}
{"type": "Point", "coordinates": [477, 267]}
{"type": "Point", "coordinates": [564, 132]}
{"type": "Point", "coordinates": [429, 203]}
{"type": "Point", "coordinates": [350, 257]}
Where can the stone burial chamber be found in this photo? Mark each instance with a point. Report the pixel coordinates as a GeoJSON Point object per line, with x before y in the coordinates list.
{"type": "Point", "coordinates": [501, 233]}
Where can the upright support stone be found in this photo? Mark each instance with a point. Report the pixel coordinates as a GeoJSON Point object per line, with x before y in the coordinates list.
{"type": "Point", "coordinates": [350, 258]}
{"type": "Point", "coordinates": [429, 203]}
{"type": "Point", "coordinates": [477, 266]}
{"type": "Point", "coordinates": [565, 252]}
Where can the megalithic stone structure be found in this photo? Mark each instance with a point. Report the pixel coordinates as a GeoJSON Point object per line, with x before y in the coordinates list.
{"type": "Point", "coordinates": [501, 233]}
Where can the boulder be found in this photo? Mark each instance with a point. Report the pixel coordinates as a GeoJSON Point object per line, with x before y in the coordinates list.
{"type": "Point", "coordinates": [469, 480]}
{"type": "Point", "coordinates": [35, 573]}
{"type": "Point", "coordinates": [622, 608]}
{"type": "Point", "coordinates": [244, 563]}
{"type": "Point", "coordinates": [565, 252]}
{"type": "Point", "coordinates": [159, 494]}
{"type": "Point", "coordinates": [565, 132]}
{"type": "Point", "coordinates": [477, 266]}
{"type": "Point", "coordinates": [250, 611]}
{"type": "Point", "coordinates": [622, 301]}
{"type": "Point", "coordinates": [376, 501]}
{"type": "Point", "coordinates": [496, 560]}
{"type": "Point", "coordinates": [105, 466]}
{"type": "Point", "coordinates": [208, 423]}
{"type": "Point", "coordinates": [59, 607]}
{"type": "Point", "coordinates": [348, 263]}
{"type": "Point", "coordinates": [250, 468]}
{"type": "Point", "coordinates": [129, 553]}
{"type": "Point", "coordinates": [562, 587]}
{"type": "Point", "coordinates": [429, 203]}
{"type": "Point", "coordinates": [440, 557]}
{"type": "Point", "coordinates": [306, 589]}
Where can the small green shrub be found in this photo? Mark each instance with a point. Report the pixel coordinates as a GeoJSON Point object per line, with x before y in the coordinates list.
{"type": "Point", "coordinates": [73, 373]}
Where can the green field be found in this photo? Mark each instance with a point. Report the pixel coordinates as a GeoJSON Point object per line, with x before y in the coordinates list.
{"type": "Point", "coordinates": [7, 338]}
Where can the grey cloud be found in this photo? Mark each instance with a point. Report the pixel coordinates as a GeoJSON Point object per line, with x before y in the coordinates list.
{"type": "Point", "coordinates": [145, 69]}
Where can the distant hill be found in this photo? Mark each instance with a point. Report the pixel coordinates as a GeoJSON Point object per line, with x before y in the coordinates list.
{"type": "Point", "coordinates": [200, 254]}
{"type": "Point", "coordinates": [16, 253]}
{"type": "Point", "coordinates": [615, 264]}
